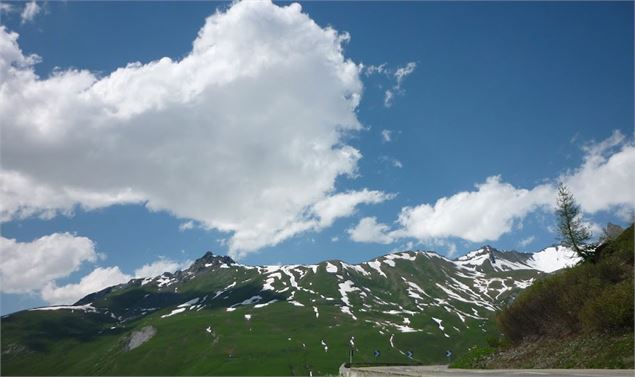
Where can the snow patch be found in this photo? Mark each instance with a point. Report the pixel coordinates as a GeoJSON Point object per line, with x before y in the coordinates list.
{"type": "Point", "coordinates": [331, 268]}
{"type": "Point", "coordinates": [189, 303]}
{"type": "Point", "coordinates": [173, 312]}
{"type": "Point", "coordinates": [553, 259]}
{"type": "Point", "coordinates": [258, 306]}
{"type": "Point", "coordinates": [87, 308]}
{"type": "Point", "coordinates": [375, 265]}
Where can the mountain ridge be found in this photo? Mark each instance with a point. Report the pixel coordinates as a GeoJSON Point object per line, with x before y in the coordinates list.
{"type": "Point", "coordinates": [406, 303]}
{"type": "Point", "coordinates": [210, 259]}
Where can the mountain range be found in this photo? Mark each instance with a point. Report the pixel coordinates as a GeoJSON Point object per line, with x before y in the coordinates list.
{"type": "Point", "coordinates": [219, 317]}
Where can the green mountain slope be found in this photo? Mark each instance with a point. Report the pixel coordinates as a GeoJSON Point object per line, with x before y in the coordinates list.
{"type": "Point", "coordinates": [219, 317]}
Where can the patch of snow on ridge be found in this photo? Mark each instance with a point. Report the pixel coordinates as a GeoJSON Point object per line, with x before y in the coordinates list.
{"type": "Point", "coordinates": [268, 285]}
{"type": "Point", "coordinates": [357, 268]}
{"type": "Point", "coordinates": [165, 281]}
{"type": "Point", "coordinates": [218, 293]}
{"type": "Point", "coordinates": [524, 283]}
{"type": "Point", "coordinates": [344, 289]}
{"type": "Point", "coordinates": [251, 300]}
{"type": "Point", "coordinates": [375, 265]}
{"type": "Point", "coordinates": [258, 306]}
{"type": "Point", "coordinates": [472, 259]}
{"type": "Point", "coordinates": [286, 271]}
{"type": "Point", "coordinates": [347, 310]}
{"type": "Point", "coordinates": [403, 255]}
{"type": "Point", "coordinates": [403, 328]}
{"type": "Point", "coordinates": [189, 303]}
{"type": "Point", "coordinates": [331, 268]}
{"type": "Point", "coordinates": [438, 321]}
{"type": "Point", "coordinates": [553, 259]}
{"type": "Point", "coordinates": [173, 312]}
{"type": "Point", "coordinates": [87, 307]}
{"type": "Point", "coordinates": [504, 265]}
{"type": "Point", "coordinates": [272, 268]}
{"type": "Point", "coordinates": [412, 287]}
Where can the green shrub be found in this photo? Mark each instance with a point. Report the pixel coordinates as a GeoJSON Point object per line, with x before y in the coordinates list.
{"type": "Point", "coordinates": [611, 311]}
{"type": "Point", "coordinates": [591, 297]}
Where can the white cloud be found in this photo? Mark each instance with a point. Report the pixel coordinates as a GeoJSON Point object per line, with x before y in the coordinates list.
{"type": "Point", "coordinates": [6, 8]}
{"type": "Point", "coordinates": [604, 182]}
{"type": "Point", "coordinates": [98, 279]}
{"type": "Point", "coordinates": [400, 74]}
{"type": "Point", "coordinates": [160, 266]}
{"type": "Point", "coordinates": [104, 277]}
{"type": "Point", "coordinates": [245, 134]}
{"type": "Point", "coordinates": [369, 230]}
{"type": "Point", "coordinates": [526, 241]}
{"type": "Point", "coordinates": [451, 250]}
{"type": "Point", "coordinates": [386, 135]}
{"type": "Point", "coordinates": [29, 266]}
{"type": "Point", "coordinates": [392, 161]}
{"type": "Point", "coordinates": [344, 204]}
{"type": "Point", "coordinates": [606, 178]}
{"type": "Point", "coordinates": [477, 216]}
{"type": "Point", "coordinates": [388, 97]}
{"type": "Point", "coordinates": [31, 9]}
{"type": "Point", "coordinates": [186, 226]}
{"type": "Point", "coordinates": [375, 69]}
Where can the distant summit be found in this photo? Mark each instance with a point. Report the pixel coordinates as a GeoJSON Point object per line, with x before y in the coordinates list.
{"type": "Point", "coordinates": [547, 260]}
{"type": "Point", "coordinates": [210, 260]}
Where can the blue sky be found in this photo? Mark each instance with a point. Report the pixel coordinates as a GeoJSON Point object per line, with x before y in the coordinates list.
{"type": "Point", "coordinates": [492, 104]}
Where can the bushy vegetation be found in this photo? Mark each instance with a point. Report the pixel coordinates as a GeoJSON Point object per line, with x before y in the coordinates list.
{"type": "Point", "coordinates": [588, 298]}
{"type": "Point", "coordinates": [475, 358]}
{"type": "Point", "coordinates": [580, 317]}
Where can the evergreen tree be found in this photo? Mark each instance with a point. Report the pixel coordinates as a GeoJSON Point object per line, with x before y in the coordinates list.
{"type": "Point", "coordinates": [573, 233]}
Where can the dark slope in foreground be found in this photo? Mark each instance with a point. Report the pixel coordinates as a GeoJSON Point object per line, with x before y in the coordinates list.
{"type": "Point", "coordinates": [581, 317]}
{"type": "Point", "coordinates": [220, 317]}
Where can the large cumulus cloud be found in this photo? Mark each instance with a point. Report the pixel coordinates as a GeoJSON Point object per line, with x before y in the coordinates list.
{"type": "Point", "coordinates": [245, 134]}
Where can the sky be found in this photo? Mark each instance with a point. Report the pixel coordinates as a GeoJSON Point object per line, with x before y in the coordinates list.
{"type": "Point", "coordinates": [136, 136]}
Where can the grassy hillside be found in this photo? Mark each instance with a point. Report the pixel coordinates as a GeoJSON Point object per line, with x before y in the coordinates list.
{"type": "Point", "coordinates": [221, 318]}
{"type": "Point", "coordinates": [581, 317]}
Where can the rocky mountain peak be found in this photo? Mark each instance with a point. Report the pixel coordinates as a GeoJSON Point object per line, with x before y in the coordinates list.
{"type": "Point", "coordinates": [214, 260]}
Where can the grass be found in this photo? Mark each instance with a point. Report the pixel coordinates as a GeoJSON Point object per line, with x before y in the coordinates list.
{"type": "Point", "coordinates": [280, 339]}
